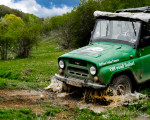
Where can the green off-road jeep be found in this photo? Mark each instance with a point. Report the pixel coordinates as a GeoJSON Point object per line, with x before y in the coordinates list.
{"type": "Point", "coordinates": [118, 54]}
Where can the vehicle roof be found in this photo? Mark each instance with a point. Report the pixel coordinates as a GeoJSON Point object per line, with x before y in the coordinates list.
{"type": "Point", "coordinates": [139, 9]}
{"type": "Point", "coordinates": [137, 16]}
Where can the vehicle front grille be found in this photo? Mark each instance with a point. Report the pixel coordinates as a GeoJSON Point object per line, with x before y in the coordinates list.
{"type": "Point", "coordinates": [77, 62]}
{"type": "Point", "coordinates": [78, 72]}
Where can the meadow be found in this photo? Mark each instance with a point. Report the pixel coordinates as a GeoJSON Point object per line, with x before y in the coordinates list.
{"type": "Point", "coordinates": [35, 73]}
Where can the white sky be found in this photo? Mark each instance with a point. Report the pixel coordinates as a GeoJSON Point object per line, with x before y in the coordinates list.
{"type": "Point", "coordinates": [31, 6]}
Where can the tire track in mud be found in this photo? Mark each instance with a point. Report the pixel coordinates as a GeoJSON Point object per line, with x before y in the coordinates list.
{"type": "Point", "coordinates": [23, 98]}
{"type": "Point", "coordinates": [31, 98]}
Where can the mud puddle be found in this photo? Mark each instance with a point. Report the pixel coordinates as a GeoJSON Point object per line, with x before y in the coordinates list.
{"type": "Point", "coordinates": [116, 101]}
{"type": "Point", "coordinates": [105, 102]}
{"type": "Point", "coordinates": [31, 98]}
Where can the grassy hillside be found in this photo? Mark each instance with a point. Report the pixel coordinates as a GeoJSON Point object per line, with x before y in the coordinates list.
{"type": "Point", "coordinates": [33, 72]}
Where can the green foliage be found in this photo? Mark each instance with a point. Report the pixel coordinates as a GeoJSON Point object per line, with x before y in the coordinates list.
{"type": "Point", "coordinates": [46, 26]}
{"type": "Point", "coordinates": [53, 111]}
{"type": "Point", "coordinates": [113, 5]}
{"type": "Point", "coordinates": [147, 92]}
{"type": "Point", "coordinates": [34, 72]}
{"type": "Point", "coordinates": [28, 35]}
{"type": "Point", "coordinates": [86, 114]}
{"type": "Point", "coordinates": [75, 27]}
{"type": "Point", "coordinates": [6, 10]}
{"type": "Point", "coordinates": [65, 31]}
{"type": "Point", "coordinates": [25, 111]}
{"type": "Point", "coordinates": [3, 85]}
{"type": "Point", "coordinates": [55, 22]}
{"type": "Point", "coordinates": [21, 85]}
{"type": "Point", "coordinates": [8, 33]}
{"type": "Point", "coordinates": [84, 21]}
{"type": "Point", "coordinates": [22, 114]}
{"type": "Point", "coordinates": [143, 106]}
{"type": "Point", "coordinates": [19, 36]}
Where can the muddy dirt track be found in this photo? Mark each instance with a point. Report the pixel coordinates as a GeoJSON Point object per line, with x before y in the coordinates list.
{"type": "Point", "coordinates": [22, 98]}
{"type": "Point", "coordinates": [53, 94]}
{"type": "Point", "coordinates": [31, 98]}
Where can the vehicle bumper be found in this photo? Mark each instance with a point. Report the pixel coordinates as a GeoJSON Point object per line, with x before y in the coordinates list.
{"type": "Point", "coordinates": [78, 82]}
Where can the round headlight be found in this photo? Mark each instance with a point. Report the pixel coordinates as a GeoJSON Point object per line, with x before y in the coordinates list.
{"type": "Point", "coordinates": [61, 64]}
{"type": "Point", "coordinates": [93, 70]}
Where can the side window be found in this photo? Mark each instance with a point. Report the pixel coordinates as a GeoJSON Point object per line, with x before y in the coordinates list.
{"type": "Point", "coordinates": [145, 41]}
{"type": "Point", "coordinates": [147, 29]}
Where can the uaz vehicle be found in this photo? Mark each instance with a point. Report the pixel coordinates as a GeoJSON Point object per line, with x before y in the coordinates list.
{"type": "Point", "coordinates": [118, 54]}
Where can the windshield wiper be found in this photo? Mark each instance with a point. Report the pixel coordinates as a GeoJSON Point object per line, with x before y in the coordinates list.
{"type": "Point", "coordinates": [107, 30]}
{"type": "Point", "coordinates": [134, 28]}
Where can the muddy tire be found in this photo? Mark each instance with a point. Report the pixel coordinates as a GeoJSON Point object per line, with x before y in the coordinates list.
{"type": "Point", "coordinates": [121, 85]}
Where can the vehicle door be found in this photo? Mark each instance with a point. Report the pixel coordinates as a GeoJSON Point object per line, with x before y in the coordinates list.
{"type": "Point", "coordinates": [145, 52]}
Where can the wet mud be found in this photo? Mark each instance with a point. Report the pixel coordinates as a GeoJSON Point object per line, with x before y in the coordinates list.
{"type": "Point", "coordinates": [22, 98]}
{"type": "Point", "coordinates": [97, 101]}
{"type": "Point", "coordinates": [54, 94]}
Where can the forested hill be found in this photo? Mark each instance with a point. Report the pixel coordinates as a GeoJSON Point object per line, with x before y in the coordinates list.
{"type": "Point", "coordinates": [6, 10]}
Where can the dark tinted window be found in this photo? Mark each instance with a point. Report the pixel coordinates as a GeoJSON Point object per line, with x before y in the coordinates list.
{"type": "Point", "coordinates": [145, 41]}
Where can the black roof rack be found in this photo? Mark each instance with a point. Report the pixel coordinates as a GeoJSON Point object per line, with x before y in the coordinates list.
{"type": "Point", "coordinates": [140, 9]}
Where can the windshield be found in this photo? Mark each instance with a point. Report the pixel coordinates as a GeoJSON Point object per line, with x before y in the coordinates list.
{"type": "Point", "coordinates": [116, 30]}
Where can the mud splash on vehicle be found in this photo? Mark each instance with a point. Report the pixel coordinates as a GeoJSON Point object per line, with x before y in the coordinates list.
{"type": "Point", "coordinates": [94, 100]}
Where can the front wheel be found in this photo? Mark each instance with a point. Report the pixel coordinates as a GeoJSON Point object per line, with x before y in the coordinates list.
{"type": "Point", "coordinates": [121, 85]}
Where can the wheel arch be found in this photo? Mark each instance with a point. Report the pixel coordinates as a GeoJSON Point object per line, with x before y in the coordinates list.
{"type": "Point", "coordinates": [127, 73]}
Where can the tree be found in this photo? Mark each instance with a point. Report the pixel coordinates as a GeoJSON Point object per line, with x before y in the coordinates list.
{"type": "Point", "coordinates": [65, 31]}
{"type": "Point", "coordinates": [28, 35]}
{"type": "Point", "coordinates": [8, 33]}
{"type": "Point", "coordinates": [84, 21]}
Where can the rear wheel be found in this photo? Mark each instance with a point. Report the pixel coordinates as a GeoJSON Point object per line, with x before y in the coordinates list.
{"type": "Point", "coordinates": [121, 85]}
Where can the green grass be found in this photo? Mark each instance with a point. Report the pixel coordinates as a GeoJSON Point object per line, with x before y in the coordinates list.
{"type": "Point", "coordinates": [36, 70]}
{"type": "Point", "coordinates": [35, 73]}
{"type": "Point", "coordinates": [146, 92]}
{"type": "Point", "coordinates": [21, 85]}
{"type": "Point", "coordinates": [50, 111]}
{"type": "Point", "coordinates": [22, 114]}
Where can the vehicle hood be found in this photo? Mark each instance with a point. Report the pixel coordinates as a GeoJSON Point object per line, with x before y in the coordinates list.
{"type": "Point", "coordinates": [103, 53]}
